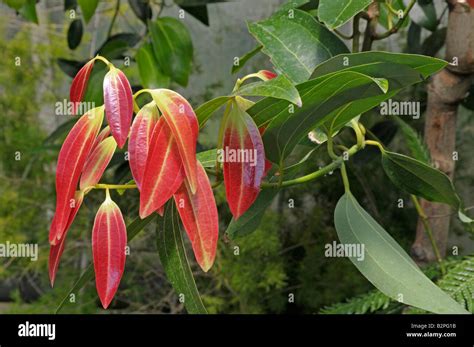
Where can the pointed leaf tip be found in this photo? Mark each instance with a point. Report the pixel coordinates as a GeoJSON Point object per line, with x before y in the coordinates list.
{"type": "Point", "coordinates": [97, 163]}
{"type": "Point", "coordinates": [79, 84]}
{"type": "Point", "coordinates": [109, 239]}
{"type": "Point", "coordinates": [118, 101]}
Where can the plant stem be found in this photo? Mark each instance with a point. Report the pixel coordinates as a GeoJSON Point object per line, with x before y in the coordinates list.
{"type": "Point", "coordinates": [429, 232]}
{"type": "Point", "coordinates": [397, 26]}
{"type": "Point", "coordinates": [375, 143]}
{"type": "Point", "coordinates": [314, 175]}
{"type": "Point", "coordinates": [355, 34]}
{"type": "Point", "coordinates": [344, 36]}
{"type": "Point", "coordinates": [117, 7]}
{"type": "Point", "coordinates": [345, 179]}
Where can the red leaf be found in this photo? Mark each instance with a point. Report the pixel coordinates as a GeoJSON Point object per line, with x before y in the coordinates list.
{"type": "Point", "coordinates": [161, 210]}
{"type": "Point", "coordinates": [183, 123]}
{"type": "Point", "coordinates": [139, 142]}
{"type": "Point", "coordinates": [198, 213]}
{"type": "Point", "coordinates": [164, 171]}
{"type": "Point", "coordinates": [97, 162]}
{"type": "Point", "coordinates": [102, 135]}
{"type": "Point", "coordinates": [56, 251]}
{"type": "Point", "coordinates": [109, 239]}
{"type": "Point", "coordinates": [118, 102]}
{"type": "Point", "coordinates": [266, 75]}
{"type": "Point", "coordinates": [243, 156]}
{"type": "Point", "coordinates": [79, 84]}
{"type": "Point", "coordinates": [71, 160]}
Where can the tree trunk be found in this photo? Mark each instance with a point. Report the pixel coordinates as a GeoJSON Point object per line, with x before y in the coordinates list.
{"type": "Point", "coordinates": [446, 90]}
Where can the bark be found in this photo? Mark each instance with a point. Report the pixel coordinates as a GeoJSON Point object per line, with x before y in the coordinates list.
{"type": "Point", "coordinates": [445, 91]}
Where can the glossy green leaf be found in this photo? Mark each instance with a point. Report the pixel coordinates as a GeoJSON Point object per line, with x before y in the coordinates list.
{"type": "Point", "coordinates": [174, 260]}
{"type": "Point", "coordinates": [205, 111]}
{"type": "Point", "coordinates": [335, 13]}
{"type": "Point", "coordinates": [88, 8]}
{"type": "Point", "coordinates": [419, 179]}
{"type": "Point", "coordinates": [245, 58]}
{"type": "Point", "coordinates": [74, 34]}
{"type": "Point", "coordinates": [385, 264]}
{"type": "Point", "coordinates": [324, 95]}
{"type": "Point", "coordinates": [150, 73]}
{"type": "Point", "coordinates": [88, 275]}
{"type": "Point", "coordinates": [172, 47]}
{"type": "Point", "coordinates": [279, 87]}
{"type": "Point", "coordinates": [116, 45]}
{"type": "Point", "coordinates": [296, 44]}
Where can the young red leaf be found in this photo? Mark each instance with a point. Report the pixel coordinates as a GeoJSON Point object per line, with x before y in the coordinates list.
{"type": "Point", "coordinates": [243, 159]}
{"type": "Point", "coordinates": [161, 210]}
{"type": "Point", "coordinates": [97, 162]}
{"type": "Point", "coordinates": [183, 123]}
{"type": "Point", "coordinates": [102, 135]}
{"type": "Point", "coordinates": [198, 213]}
{"type": "Point", "coordinates": [71, 160]}
{"type": "Point", "coordinates": [266, 75]}
{"type": "Point", "coordinates": [164, 171]}
{"type": "Point", "coordinates": [118, 102]}
{"type": "Point", "coordinates": [56, 251]}
{"type": "Point", "coordinates": [79, 84]}
{"type": "Point", "coordinates": [139, 142]}
{"type": "Point", "coordinates": [109, 239]}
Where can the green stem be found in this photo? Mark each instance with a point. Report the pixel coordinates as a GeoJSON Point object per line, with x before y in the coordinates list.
{"type": "Point", "coordinates": [355, 34]}
{"type": "Point", "coordinates": [345, 179]}
{"type": "Point", "coordinates": [375, 143]}
{"type": "Point", "coordinates": [117, 7]}
{"type": "Point", "coordinates": [115, 186]}
{"type": "Point", "coordinates": [314, 175]}
{"type": "Point", "coordinates": [429, 232]}
{"type": "Point", "coordinates": [398, 25]}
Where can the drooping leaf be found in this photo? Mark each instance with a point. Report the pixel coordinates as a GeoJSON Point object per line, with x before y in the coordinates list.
{"type": "Point", "coordinates": [97, 162]}
{"type": "Point", "coordinates": [245, 58]}
{"type": "Point", "coordinates": [132, 230]}
{"type": "Point", "coordinates": [88, 8]}
{"type": "Point", "coordinates": [109, 239]}
{"type": "Point", "coordinates": [142, 9]}
{"type": "Point", "coordinates": [414, 39]}
{"type": "Point", "coordinates": [198, 213]}
{"type": "Point", "coordinates": [69, 67]}
{"type": "Point", "coordinates": [206, 110]}
{"type": "Point", "coordinates": [118, 102]}
{"type": "Point", "coordinates": [243, 158]}
{"type": "Point", "coordinates": [74, 34]}
{"type": "Point", "coordinates": [139, 142]}
{"type": "Point", "coordinates": [172, 47]}
{"type": "Point", "coordinates": [71, 160]}
{"type": "Point", "coordinates": [433, 43]}
{"type": "Point", "coordinates": [279, 87]}
{"type": "Point", "coordinates": [151, 75]}
{"type": "Point", "coordinates": [335, 13]}
{"type": "Point", "coordinates": [296, 45]}
{"type": "Point", "coordinates": [384, 263]}
{"type": "Point", "coordinates": [419, 179]}
{"type": "Point", "coordinates": [57, 250]}
{"type": "Point", "coordinates": [79, 84]}
{"type": "Point", "coordinates": [174, 261]}
{"type": "Point", "coordinates": [424, 14]}
{"type": "Point", "coordinates": [182, 121]}
{"type": "Point", "coordinates": [116, 45]}
{"type": "Point", "coordinates": [164, 171]}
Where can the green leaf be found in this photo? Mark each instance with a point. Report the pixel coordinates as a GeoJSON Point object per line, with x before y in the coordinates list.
{"type": "Point", "coordinates": [245, 58]}
{"type": "Point", "coordinates": [251, 219]}
{"type": "Point", "coordinates": [335, 13]}
{"type": "Point", "coordinates": [296, 44]}
{"type": "Point", "coordinates": [384, 14]}
{"type": "Point", "coordinates": [279, 87]}
{"type": "Point", "coordinates": [324, 95]}
{"type": "Point", "coordinates": [117, 45]}
{"type": "Point", "coordinates": [172, 47]}
{"type": "Point", "coordinates": [150, 73]}
{"type": "Point", "coordinates": [28, 11]}
{"type": "Point", "coordinates": [74, 34]}
{"type": "Point", "coordinates": [385, 264]}
{"type": "Point", "coordinates": [70, 67]}
{"type": "Point", "coordinates": [94, 92]}
{"type": "Point", "coordinates": [88, 8]}
{"type": "Point", "coordinates": [132, 230]}
{"type": "Point", "coordinates": [414, 142]}
{"type": "Point", "coordinates": [141, 8]}
{"type": "Point", "coordinates": [414, 38]}
{"type": "Point", "coordinates": [205, 111]}
{"type": "Point", "coordinates": [419, 179]}
{"type": "Point", "coordinates": [207, 158]}
{"type": "Point", "coordinates": [424, 14]}
{"type": "Point", "coordinates": [175, 263]}
{"type": "Point", "coordinates": [433, 43]}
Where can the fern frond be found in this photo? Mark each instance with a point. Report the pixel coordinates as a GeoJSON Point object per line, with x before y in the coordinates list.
{"type": "Point", "coordinates": [414, 142]}
{"type": "Point", "coordinates": [370, 302]}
